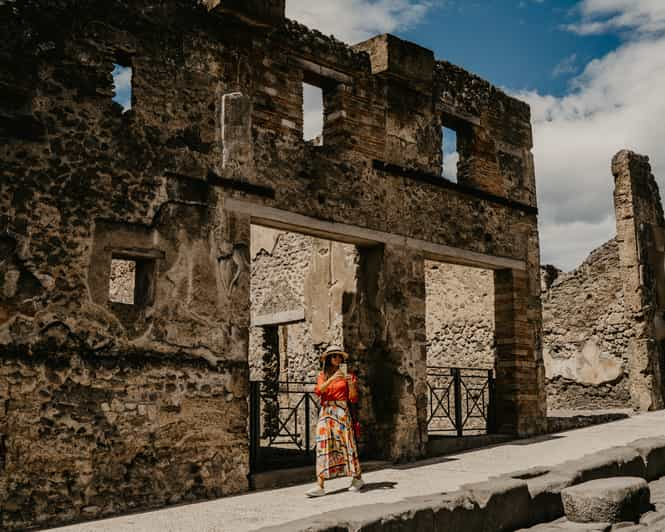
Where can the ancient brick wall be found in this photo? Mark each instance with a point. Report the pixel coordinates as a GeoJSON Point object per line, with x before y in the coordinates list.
{"type": "Point", "coordinates": [109, 406]}
{"type": "Point", "coordinates": [213, 143]}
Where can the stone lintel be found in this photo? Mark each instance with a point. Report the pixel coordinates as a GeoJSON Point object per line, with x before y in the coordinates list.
{"type": "Point", "coordinates": [395, 57]}
{"type": "Point", "coordinates": [278, 318]}
{"type": "Point", "coordinates": [353, 234]}
{"type": "Point", "coordinates": [323, 72]}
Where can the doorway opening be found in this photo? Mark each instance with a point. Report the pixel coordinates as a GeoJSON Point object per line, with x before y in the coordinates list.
{"type": "Point", "coordinates": [460, 349]}
{"type": "Point", "coordinates": [303, 301]}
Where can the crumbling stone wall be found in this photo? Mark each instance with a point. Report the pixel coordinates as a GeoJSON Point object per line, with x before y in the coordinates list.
{"type": "Point", "coordinates": [602, 329]}
{"type": "Point", "coordinates": [213, 143]}
{"type": "Point", "coordinates": [303, 286]}
{"type": "Point", "coordinates": [280, 261]}
{"type": "Point", "coordinates": [586, 333]}
{"type": "Point", "coordinates": [641, 240]}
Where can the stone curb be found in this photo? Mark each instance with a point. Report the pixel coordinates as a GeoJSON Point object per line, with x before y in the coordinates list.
{"type": "Point", "coordinates": [508, 502]}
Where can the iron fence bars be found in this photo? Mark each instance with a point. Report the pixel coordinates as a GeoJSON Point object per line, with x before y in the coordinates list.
{"type": "Point", "coordinates": [282, 421]}
{"type": "Point", "coordinates": [461, 400]}
{"type": "Point", "coordinates": [283, 418]}
{"type": "Point", "coordinates": [440, 383]}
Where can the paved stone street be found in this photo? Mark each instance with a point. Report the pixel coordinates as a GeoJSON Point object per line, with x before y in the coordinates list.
{"type": "Point", "coordinates": [268, 508]}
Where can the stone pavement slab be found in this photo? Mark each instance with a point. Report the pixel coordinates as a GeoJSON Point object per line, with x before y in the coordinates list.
{"type": "Point", "coordinates": [392, 485]}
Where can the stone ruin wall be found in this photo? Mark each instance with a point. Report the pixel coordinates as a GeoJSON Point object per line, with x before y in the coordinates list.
{"type": "Point", "coordinates": [602, 322]}
{"type": "Point", "coordinates": [587, 330]}
{"type": "Point", "coordinates": [586, 334]}
{"type": "Point", "coordinates": [297, 286]}
{"type": "Point", "coordinates": [460, 316]}
{"type": "Point", "coordinates": [107, 407]}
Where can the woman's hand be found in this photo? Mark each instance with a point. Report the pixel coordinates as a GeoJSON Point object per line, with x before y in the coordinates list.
{"type": "Point", "coordinates": [338, 374]}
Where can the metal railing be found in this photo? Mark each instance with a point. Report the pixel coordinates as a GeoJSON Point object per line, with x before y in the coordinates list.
{"type": "Point", "coordinates": [283, 418]}
{"type": "Point", "coordinates": [460, 400]}
{"type": "Point", "coordinates": [283, 415]}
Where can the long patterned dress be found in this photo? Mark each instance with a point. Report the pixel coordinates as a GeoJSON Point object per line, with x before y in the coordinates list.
{"type": "Point", "coordinates": [336, 450]}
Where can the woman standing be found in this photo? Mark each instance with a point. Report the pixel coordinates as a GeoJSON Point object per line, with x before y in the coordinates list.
{"type": "Point", "coordinates": [336, 450]}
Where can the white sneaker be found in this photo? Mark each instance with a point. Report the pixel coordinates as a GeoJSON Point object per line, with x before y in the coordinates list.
{"type": "Point", "coordinates": [356, 484]}
{"type": "Point", "coordinates": [315, 492]}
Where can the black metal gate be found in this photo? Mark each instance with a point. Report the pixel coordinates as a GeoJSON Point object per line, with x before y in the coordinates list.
{"type": "Point", "coordinates": [283, 417]}
{"type": "Point", "coordinates": [460, 401]}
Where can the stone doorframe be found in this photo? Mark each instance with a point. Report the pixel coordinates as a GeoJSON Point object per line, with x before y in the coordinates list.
{"type": "Point", "coordinates": [388, 334]}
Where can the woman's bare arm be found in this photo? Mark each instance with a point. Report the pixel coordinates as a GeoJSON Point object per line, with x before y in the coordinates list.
{"type": "Point", "coordinates": [326, 383]}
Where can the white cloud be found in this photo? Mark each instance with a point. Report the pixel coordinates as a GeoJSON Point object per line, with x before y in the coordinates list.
{"type": "Point", "coordinates": [450, 161]}
{"type": "Point", "coordinates": [567, 65]}
{"type": "Point", "coordinates": [600, 16]}
{"type": "Point", "coordinates": [313, 112]}
{"type": "Point", "coordinates": [122, 81]}
{"type": "Point", "coordinates": [356, 20]}
{"type": "Point", "coordinates": [615, 103]}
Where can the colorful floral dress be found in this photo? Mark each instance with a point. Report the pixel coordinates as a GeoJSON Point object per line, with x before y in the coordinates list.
{"type": "Point", "coordinates": [336, 450]}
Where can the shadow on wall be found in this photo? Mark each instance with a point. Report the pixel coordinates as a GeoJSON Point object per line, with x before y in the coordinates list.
{"type": "Point", "coordinates": [364, 334]}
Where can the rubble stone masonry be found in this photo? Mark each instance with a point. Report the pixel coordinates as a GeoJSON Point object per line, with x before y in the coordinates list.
{"type": "Point", "coordinates": [586, 334]}
{"type": "Point", "coordinates": [603, 322]}
{"type": "Point", "coordinates": [109, 404]}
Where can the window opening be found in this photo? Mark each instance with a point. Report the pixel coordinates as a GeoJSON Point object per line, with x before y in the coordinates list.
{"type": "Point", "coordinates": [131, 281]}
{"type": "Point", "coordinates": [123, 281]}
{"type": "Point", "coordinates": [450, 154]}
{"type": "Point", "coordinates": [312, 114]}
{"type": "Point", "coordinates": [122, 84]}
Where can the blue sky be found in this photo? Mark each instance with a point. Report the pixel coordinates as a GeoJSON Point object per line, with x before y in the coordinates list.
{"type": "Point", "coordinates": [122, 80]}
{"type": "Point", "coordinates": [513, 43]}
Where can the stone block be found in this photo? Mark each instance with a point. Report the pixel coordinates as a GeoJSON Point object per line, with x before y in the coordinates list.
{"type": "Point", "coordinates": [456, 511]}
{"type": "Point", "coordinates": [545, 492]}
{"type": "Point", "coordinates": [651, 518]}
{"type": "Point", "coordinates": [258, 12]}
{"type": "Point", "coordinates": [627, 526]}
{"type": "Point", "coordinates": [402, 59]}
{"type": "Point", "coordinates": [607, 500]}
{"type": "Point", "coordinates": [413, 515]}
{"type": "Point", "coordinates": [652, 451]}
{"type": "Point", "coordinates": [505, 502]}
{"type": "Point", "coordinates": [617, 461]}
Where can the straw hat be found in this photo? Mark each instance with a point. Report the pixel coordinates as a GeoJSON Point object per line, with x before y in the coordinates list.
{"type": "Point", "coordinates": [334, 349]}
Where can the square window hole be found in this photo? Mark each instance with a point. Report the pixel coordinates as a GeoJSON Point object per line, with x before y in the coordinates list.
{"type": "Point", "coordinates": [131, 281]}
{"type": "Point", "coordinates": [450, 154]}
{"type": "Point", "coordinates": [312, 114]}
{"type": "Point", "coordinates": [122, 84]}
